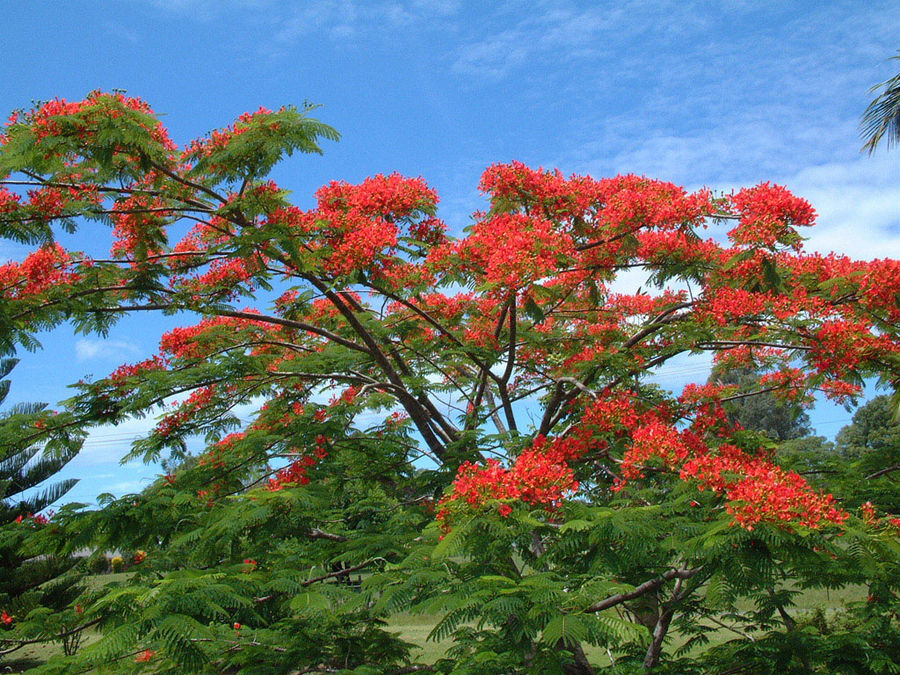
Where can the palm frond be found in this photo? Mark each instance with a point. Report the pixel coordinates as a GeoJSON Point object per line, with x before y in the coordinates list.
{"type": "Point", "coordinates": [881, 120]}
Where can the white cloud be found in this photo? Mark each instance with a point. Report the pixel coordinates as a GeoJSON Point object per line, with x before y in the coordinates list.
{"type": "Point", "coordinates": [86, 349]}
{"type": "Point", "coordinates": [493, 57]}
{"type": "Point", "coordinates": [344, 21]}
{"type": "Point", "coordinates": [857, 203]}
{"type": "Point", "coordinates": [562, 32]}
{"type": "Point", "coordinates": [207, 9]}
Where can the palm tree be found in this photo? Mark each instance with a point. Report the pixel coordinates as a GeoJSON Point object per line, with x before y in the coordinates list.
{"type": "Point", "coordinates": [882, 117]}
{"type": "Point", "coordinates": [31, 579]}
{"type": "Point", "coordinates": [24, 466]}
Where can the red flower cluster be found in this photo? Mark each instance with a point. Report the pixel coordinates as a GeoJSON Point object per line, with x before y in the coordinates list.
{"type": "Point", "coordinates": [220, 138]}
{"type": "Point", "coordinates": [760, 491]}
{"type": "Point", "coordinates": [869, 518]}
{"type": "Point", "coordinates": [222, 278]}
{"type": "Point", "coordinates": [512, 249]}
{"type": "Point", "coordinates": [393, 197]}
{"type": "Point", "coordinates": [840, 346]}
{"type": "Point", "coordinates": [295, 472]}
{"type": "Point", "coordinates": [36, 518]}
{"type": "Point", "coordinates": [658, 246]}
{"type": "Point", "coordinates": [768, 215]}
{"type": "Point", "coordinates": [47, 267]}
{"type": "Point", "coordinates": [757, 489]}
{"type": "Point", "coordinates": [144, 656]}
{"type": "Point", "coordinates": [622, 202]}
{"type": "Point", "coordinates": [188, 342]}
{"type": "Point", "coordinates": [51, 118]}
{"type": "Point", "coordinates": [135, 217]}
{"type": "Point", "coordinates": [347, 397]}
{"type": "Point", "coordinates": [539, 476]}
{"type": "Point", "coordinates": [360, 224]}
{"type": "Point", "coordinates": [199, 399]}
{"type": "Point", "coordinates": [9, 201]}
{"type": "Point", "coordinates": [360, 243]}
{"type": "Point", "coordinates": [125, 371]}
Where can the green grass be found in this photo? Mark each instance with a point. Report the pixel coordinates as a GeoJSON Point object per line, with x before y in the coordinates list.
{"type": "Point", "coordinates": [415, 628]}
{"type": "Point", "coordinates": [95, 581]}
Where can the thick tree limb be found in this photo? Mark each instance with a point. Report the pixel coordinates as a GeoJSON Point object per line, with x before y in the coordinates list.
{"type": "Point", "coordinates": [883, 472]}
{"type": "Point", "coordinates": [646, 587]}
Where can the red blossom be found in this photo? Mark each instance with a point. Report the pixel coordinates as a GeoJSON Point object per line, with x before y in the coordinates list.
{"type": "Point", "coordinates": [125, 371]}
{"type": "Point", "coordinates": [144, 656]}
{"type": "Point", "coordinates": [293, 474]}
{"type": "Point", "coordinates": [48, 267]}
{"type": "Point", "coordinates": [190, 342]}
{"type": "Point", "coordinates": [768, 215]}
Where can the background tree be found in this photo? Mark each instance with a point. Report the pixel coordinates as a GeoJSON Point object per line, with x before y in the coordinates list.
{"type": "Point", "coordinates": [870, 447]}
{"type": "Point", "coordinates": [468, 423]}
{"type": "Point", "coordinates": [34, 585]}
{"type": "Point", "coordinates": [757, 408]}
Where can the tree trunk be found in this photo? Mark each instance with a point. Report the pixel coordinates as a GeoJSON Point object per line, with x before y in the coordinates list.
{"type": "Point", "coordinates": [651, 660]}
{"type": "Point", "coordinates": [581, 665]}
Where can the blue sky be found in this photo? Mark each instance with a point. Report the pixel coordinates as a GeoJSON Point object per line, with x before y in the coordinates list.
{"type": "Point", "coordinates": [721, 94]}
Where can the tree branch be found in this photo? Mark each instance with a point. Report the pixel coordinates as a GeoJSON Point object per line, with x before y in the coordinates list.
{"type": "Point", "coordinates": [646, 587]}
{"type": "Point", "coordinates": [883, 472]}
{"type": "Point", "coordinates": [24, 643]}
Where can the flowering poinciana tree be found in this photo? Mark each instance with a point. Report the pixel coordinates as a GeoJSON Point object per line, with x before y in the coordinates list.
{"type": "Point", "coordinates": [465, 428]}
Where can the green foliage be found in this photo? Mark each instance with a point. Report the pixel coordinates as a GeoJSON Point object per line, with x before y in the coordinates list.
{"type": "Point", "coordinates": [378, 376]}
{"type": "Point", "coordinates": [881, 119]}
{"type": "Point", "coordinates": [37, 579]}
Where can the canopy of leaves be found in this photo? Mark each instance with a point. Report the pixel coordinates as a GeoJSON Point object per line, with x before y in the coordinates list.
{"type": "Point", "coordinates": [463, 428]}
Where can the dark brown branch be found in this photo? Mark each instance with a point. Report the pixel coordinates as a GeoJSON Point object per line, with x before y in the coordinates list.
{"type": "Point", "coordinates": [510, 366]}
{"type": "Point", "coordinates": [883, 472]}
{"type": "Point", "coordinates": [432, 321]}
{"type": "Point", "coordinates": [727, 344]}
{"type": "Point", "coordinates": [188, 183]}
{"type": "Point", "coordinates": [418, 414]}
{"type": "Point", "coordinates": [651, 660]}
{"type": "Point", "coordinates": [646, 587]}
{"type": "Point", "coordinates": [262, 318]}
{"type": "Point", "coordinates": [316, 533]}
{"type": "Point", "coordinates": [556, 408]}
{"type": "Point", "coordinates": [485, 373]}
{"type": "Point", "coordinates": [324, 577]}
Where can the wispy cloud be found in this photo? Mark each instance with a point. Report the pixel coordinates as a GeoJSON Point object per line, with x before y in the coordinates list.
{"type": "Point", "coordinates": [857, 205]}
{"type": "Point", "coordinates": [554, 33]}
{"type": "Point", "coordinates": [343, 21]}
{"type": "Point", "coordinates": [87, 349]}
{"type": "Point", "coordinates": [206, 10]}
